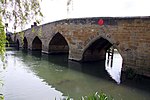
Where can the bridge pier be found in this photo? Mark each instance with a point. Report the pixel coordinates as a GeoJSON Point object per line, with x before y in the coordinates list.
{"type": "Point", "coordinates": [94, 55]}
{"type": "Point", "coordinates": [75, 54]}
{"type": "Point", "coordinates": [78, 55]}
{"type": "Point", "coordinates": [138, 62]}
{"type": "Point", "coordinates": [45, 48]}
{"type": "Point", "coordinates": [138, 66]}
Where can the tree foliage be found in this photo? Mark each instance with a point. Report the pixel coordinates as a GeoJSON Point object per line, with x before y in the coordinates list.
{"type": "Point", "coordinates": [2, 40]}
{"type": "Point", "coordinates": [20, 12]}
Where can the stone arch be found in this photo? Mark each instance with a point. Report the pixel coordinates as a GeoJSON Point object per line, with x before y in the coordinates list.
{"type": "Point", "coordinates": [101, 45]}
{"type": "Point", "coordinates": [36, 44]}
{"type": "Point", "coordinates": [96, 50]}
{"type": "Point", "coordinates": [58, 44]}
{"type": "Point", "coordinates": [25, 43]}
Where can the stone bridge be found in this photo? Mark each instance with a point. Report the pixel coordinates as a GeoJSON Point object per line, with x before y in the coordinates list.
{"type": "Point", "coordinates": [85, 40]}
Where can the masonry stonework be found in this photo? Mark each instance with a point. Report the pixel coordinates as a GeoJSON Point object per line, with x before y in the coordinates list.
{"type": "Point", "coordinates": [130, 36]}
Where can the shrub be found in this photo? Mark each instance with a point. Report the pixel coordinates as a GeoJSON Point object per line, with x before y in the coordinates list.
{"type": "Point", "coordinates": [96, 96]}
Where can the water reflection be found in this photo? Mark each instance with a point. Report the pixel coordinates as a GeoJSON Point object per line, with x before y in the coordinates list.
{"type": "Point", "coordinates": [32, 77]}
{"type": "Point", "coordinates": [114, 65]}
{"type": "Point", "coordinates": [93, 68]}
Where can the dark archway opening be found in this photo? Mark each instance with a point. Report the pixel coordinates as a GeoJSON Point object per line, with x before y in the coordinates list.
{"type": "Point", "coordinates": [97, 50]}
{"type": "Point", "coordinates": [58, 44]}
{"type": "Point", "coordinates": [17, 44]}
{"type": "Point", "coordinates": [25, 44]}
{"type": "Point", "coordinates": [37, 44]}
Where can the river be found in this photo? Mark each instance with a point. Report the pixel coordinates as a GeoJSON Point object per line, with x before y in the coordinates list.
{"type": "Point", "coordinates": [33, 76]}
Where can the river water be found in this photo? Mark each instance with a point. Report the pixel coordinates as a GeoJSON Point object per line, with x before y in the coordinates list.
{"type": "Point", "coordinates": [30, 76]}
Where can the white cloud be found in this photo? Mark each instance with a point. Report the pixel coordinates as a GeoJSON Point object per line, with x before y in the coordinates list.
{"type": "Point", "coordinates": [54, 9]}
{"type": "Point", "coordinates": [95, 8]}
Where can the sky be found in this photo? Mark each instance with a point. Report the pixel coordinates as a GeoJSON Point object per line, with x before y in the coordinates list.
{"type": "Point", "coordinates": [57, 9]}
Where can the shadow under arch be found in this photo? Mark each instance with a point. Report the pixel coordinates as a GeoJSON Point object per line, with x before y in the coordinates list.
{"type": "Point", "coordinates": [96, 50]}
{"type": "Point", "coordinates": [25, 44]}
{"type": "Point", "coordinates": [58, 44]}
{"type": "Point", "coordinates": [106, 43]}
{"type": "Point", "coordinates": [37, 44]}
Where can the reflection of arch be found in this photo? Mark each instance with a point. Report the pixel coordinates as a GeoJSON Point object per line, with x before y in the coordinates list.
{"type": "Point", "coordinates": [17, 44]}
{"type": "Point", "coordinates": [58, 44]}
{"type": "Point", "coordinates": [96, 50]}
{"type": "Point", "coordinates": [25, 43]}
{"type": "Point", "coordinates": [36, 44]}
